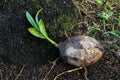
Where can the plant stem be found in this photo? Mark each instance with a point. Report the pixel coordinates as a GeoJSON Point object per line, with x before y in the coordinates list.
{"type": "Point", "coordinates": [52, 42]}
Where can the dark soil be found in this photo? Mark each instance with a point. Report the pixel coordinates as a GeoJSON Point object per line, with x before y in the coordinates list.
{"type": "Point", "coordinates": [24, 57]}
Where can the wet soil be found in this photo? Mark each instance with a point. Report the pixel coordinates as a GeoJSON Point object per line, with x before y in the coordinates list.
{"type": "Point", "coordinates": [24, 57]}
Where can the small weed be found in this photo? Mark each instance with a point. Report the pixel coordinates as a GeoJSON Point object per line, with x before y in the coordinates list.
{"type": "Point", "coordinates": [109, 5]}
{"type": "Point", "coordinates": [105, 15]}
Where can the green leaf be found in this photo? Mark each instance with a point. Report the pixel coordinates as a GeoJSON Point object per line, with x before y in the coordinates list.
{"type": "Point", "coordinates": [115, 34]}
{"type": "Point", "coordinates": [112, 33]}
{"type": "Point", "coordinates": [36, 17]}
{"type": "Point", "coordinates": [31, 20]}
{"type": "Point", "coordinates": [36, 33]}
{"type": "Point", "coordinates": [42, 28]}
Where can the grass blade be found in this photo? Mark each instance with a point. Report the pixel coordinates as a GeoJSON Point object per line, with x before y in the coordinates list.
{"type": "Point", "coordinates": [115, 34]}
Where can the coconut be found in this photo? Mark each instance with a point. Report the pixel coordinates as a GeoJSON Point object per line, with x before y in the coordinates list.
{"type": "Point", "coordinates": [81, 50]}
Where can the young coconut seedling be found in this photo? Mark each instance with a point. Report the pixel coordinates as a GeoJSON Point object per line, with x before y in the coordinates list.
{"type": "Point", "coordinates": [38, 29]}
{"type": "Point", "coordinates": [79, 51]}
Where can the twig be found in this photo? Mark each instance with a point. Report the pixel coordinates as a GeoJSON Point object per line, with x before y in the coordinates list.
{"type": "Point", "coordinates": [68, 71]}
{"type": "Point", "coordinates": [54, 63]}
{"type": "Point", "coordinates": [19, 73]}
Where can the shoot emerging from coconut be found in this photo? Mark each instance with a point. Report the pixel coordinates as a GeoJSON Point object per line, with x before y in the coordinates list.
{"type": "Point", "coordinates": [38, 29]}
{"type": "Point", "coordinates": [79, 51]}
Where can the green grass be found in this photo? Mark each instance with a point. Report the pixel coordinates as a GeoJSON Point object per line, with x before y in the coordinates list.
{"type": "Point", "coordinates": [107, 16]}
{"type": "Point", "coordinates": [113, 32]}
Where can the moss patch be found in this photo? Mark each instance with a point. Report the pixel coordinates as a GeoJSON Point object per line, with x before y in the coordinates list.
{"type": "Point", "coordinates": [62, 26]}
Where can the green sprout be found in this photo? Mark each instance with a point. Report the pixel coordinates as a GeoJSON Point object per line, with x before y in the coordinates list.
{"type": "Point", "coordinates": [105, 15]}
{"type": "Point", "coordinates": [38, 29]}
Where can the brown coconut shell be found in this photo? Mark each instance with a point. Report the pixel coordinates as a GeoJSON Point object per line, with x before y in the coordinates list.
{"type": "Point", "coordinates": [81, 50]}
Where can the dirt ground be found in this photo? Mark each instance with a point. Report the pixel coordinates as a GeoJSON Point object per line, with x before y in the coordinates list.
{"type": "Point", "coordinates": [24, 57]}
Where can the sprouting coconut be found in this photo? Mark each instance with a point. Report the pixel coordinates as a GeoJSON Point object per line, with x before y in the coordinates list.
{"type": "Point", "coordinates": [79, 51]}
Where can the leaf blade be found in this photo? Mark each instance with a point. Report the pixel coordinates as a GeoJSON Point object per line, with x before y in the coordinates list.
{"type": "Point", "coordinates": [36, 33]}
{"type": "Point", "coordinates": [31, 20]}
{"type": "Point", "coordinates": [36, 17]}
{"type": "Point", "coordinates": [42, 28]}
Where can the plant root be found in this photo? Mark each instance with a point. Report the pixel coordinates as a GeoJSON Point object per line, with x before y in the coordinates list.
{"type": "Point", "coordinates": [86, 73]}
{"type": "Point", "coordinates": [68, 71]}
{"type": "Point", "coordinates": [16, 78]}
{"type": "Point", "coordinates": [54, 63]}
